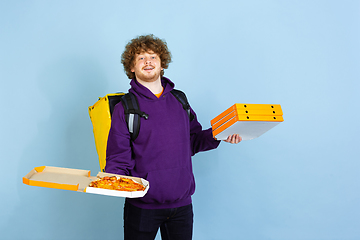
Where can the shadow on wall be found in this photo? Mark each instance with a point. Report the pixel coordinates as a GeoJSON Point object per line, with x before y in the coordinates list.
{"type": "Point", "coordinates": [64, 139]}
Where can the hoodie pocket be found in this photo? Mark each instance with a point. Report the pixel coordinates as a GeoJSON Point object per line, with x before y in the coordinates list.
{"type": "Point", "coordinates": [169, 185]}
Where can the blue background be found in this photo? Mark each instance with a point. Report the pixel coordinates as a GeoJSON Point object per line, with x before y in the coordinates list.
{"type": "Point", "coordinates": [299, 181]}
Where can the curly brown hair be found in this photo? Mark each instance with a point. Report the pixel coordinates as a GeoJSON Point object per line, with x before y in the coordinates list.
{"type": "Point", "coordinates": [145, 43]}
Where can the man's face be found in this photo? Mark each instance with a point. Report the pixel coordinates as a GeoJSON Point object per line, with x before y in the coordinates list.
{"type": "Point", "coordinates": [147, 66]}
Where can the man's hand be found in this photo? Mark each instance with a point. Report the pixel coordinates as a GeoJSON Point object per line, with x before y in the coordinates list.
{"type": "Point", "coordinates": [235, 138]}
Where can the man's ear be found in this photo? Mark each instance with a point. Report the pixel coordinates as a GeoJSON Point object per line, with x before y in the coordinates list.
{"type": "Point", "coordinates": [133, 66]}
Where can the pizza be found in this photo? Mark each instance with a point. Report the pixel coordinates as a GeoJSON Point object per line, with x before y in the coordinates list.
{"type": "Point", "coordinates": [119, 184]}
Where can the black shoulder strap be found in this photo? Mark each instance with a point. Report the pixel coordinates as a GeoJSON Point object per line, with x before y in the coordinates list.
{"type": "Point", "coordinates": [181, 97]}
{"type": "Point", "coordinates": [133, 114]}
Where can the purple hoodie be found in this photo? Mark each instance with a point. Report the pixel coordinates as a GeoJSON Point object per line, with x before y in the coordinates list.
{"type": "Point", "coordinates": [162, 152]}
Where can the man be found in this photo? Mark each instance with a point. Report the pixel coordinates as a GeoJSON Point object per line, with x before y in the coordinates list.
{"type": "Point", "coordinates": [162, 151]}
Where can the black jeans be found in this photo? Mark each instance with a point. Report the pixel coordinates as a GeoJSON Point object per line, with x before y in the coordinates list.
{"type": "Point", "coordinates": [143, 224]}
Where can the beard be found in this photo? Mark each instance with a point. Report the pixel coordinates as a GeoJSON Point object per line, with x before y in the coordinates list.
{"type": "Point", "coordinates": [148, 76]}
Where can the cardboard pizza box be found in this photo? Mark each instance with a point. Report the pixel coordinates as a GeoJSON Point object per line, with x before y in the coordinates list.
{"type": "Point", "coordinates": [77, 180]}
{"type": "Point", "coordinates": [248, 120]}
{"type": "Point", "coordinates": [249, 109]}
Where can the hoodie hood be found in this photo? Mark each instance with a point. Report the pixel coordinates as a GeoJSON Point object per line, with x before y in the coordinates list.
{"type": "Point", "coordinates": [142, 91]}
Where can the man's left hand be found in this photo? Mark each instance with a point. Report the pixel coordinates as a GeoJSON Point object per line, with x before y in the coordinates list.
{"type": "Point", "coordinates": [235, 138]}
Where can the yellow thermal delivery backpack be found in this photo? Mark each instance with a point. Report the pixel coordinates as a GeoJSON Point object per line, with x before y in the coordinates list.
{"type": "Point", "coordinates": [100, 115]}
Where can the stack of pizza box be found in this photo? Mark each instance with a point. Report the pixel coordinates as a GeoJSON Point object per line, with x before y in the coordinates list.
{"type": "Point", "coordinates": [248, 120]}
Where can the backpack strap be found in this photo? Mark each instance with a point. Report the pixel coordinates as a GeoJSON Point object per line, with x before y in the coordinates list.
{"type": "Point", "coordinates": [133, 114]}
{"type": "Point", "coordinates": [181, 97]}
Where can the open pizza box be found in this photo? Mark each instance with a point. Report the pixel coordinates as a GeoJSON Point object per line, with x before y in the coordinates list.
{"type": "Point", "coordinates": [248, 120]}
{"type": "Point", "coordinates": [77, 180]}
